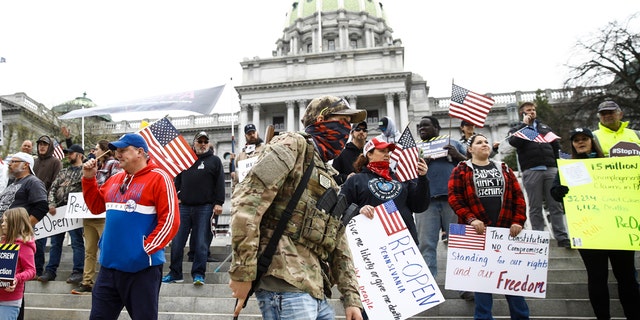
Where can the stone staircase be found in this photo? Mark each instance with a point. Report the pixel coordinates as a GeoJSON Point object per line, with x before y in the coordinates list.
{"type": "Point", "coordinates": [566, 294]}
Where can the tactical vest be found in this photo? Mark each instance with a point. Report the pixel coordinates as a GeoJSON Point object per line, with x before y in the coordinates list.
{"type": "Point", "coordinates": [310, 227]}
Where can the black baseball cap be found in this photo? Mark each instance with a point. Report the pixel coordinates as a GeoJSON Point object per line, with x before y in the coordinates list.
{"type": "Point", "coordinates": [74, 148]}
{"type": "Point", "coordinates": [248, 128]}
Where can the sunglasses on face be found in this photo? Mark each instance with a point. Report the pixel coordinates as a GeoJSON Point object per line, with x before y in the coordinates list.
{"type": "Point", "coordinates": [203, 141]}
{"type": "Point", "coordinates": [360, 129]}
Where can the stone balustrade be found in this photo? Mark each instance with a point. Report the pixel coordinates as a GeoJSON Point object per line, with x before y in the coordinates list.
{"type": "Point", "coordinates": [503, 99]}
{"type": "Point", "coordinates": [186, 122]}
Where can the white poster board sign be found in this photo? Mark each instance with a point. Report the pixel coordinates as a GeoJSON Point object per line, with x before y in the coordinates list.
{"type": "Point", "coordinates": [50, 225]}
{"type": "Point", "coordinates": [77, 208]}
{"type": "Point", "coordinates": [495, 262]}
{"type": "Point", "coordinates": [394, 281]}
{"type": "Point", "coordinates": [244, 166]}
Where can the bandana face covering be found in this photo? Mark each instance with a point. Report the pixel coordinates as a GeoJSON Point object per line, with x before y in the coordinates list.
{"type": "Point", "coordinates": [330, 137]}
{"type": "Point", "coordinates": [380, 168]}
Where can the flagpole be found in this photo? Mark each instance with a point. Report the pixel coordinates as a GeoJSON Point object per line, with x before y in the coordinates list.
{"type": "Point", "coordinates": [233, 144]}
{"type": "Point", "coordinates": [453, 82]}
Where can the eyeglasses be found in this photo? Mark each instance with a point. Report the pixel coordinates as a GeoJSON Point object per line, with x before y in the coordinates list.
{"type": "Point", "coordinates": [203, 141]}
{"type": "Point", "coordinates": [125, 183]}
{"type": "Point", "coordinates": [358, 129]}
{"type": "Point", "coordinates": [15, 161]}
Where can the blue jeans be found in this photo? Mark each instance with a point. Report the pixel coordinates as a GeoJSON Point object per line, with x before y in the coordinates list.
{"type": "Point", "coordinates": [9, 313]}
{"type": "Point", "coordinates": [428, 223]}
{"type": "Point", "coordinates": [39, 256]}
{"type": "Point", "coordinates": [538, 186]}
{"type": "Point", "coordinates": [197, 221]}
{"type": "Point", "coordinates": [518, 308]}
{"type": "Point", "coordinates": [293, 305]}
{"type": "Point", "coordinates": [55, 252]}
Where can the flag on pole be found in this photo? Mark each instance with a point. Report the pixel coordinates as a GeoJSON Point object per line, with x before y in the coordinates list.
{"type": "Point", "coordinates": [405, 156]}
{"type": "Point", "coordinates": [390, 217]}
{"type": "Point", "coordinates": [528, 133]}
{"type": "Point", "coordinates": [58, 152]}
{"type": "Point", "coordinates": [469, 106]}
{"type": "Point", "coordinates": [464, 236]}
{"type": "Point", "coordinates": [167, 147]}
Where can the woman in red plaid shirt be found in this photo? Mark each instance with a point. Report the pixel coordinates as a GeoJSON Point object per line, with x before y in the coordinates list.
{"type": "Point", "coordinates": [484, 192]}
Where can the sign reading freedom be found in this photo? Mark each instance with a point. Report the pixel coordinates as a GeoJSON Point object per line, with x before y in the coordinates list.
{"type": "Point", "coordinates": [495, 262]}
{"type": "Point", "coordinates": [603, 202]}
{"type": "Point", "coordinates": [394, 281]}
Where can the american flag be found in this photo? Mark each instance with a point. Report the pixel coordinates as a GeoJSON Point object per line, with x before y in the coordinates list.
{"type": "Point", "coordinates": [531, 134]}
{"type": "Point", "coordinates": [469, 106]}
{"type": "Point", "coordinates": [464, 236]}
{"type": "Point", "coordinates": [406, 157]}
{"type": "Point", "coordinates": [58, 152]}
{"type": "Point", "coordinates": [167, 147]}
{"type": "Point", "coordinates": [390, 217]}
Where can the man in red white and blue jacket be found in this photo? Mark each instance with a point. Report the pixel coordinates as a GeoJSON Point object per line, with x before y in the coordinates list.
{"type": "Point", "coordinates": [142, 217]}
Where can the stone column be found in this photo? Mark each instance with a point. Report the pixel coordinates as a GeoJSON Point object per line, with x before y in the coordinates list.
{"type": "Point", "coordinates": [302, 108]}
{"type": "Point", "coordinates": [243, 120]}
{"type": "Point", "coordinates": [290, 116]}
{"type": "Point", "coordinates": [256, 117]}
{"type": "Point", "coordinates": [353, 100]}
{"type": "Point", "coordinates": [390, 107]}
{"type": "Point", "coordinates": [404, 112]}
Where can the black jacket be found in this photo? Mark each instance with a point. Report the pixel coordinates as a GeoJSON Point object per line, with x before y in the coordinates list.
{"type": "Point", "coordinates": [344, 162]}
{"type": "Point", "coordinates": [203, 182]}
{"type": "Point", "coordinates": [409, 196]}
{"type": "Point", "coordinates": [532, 154]}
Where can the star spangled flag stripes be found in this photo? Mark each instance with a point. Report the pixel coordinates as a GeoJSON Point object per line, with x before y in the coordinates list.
{"type": "Point", "coordinates": [469, 106]}
{"type": "Point", "coordinates": [390, 217]}
{"type": "Point", "coordinates": [531, 134]}
{"type": "Point", "coordinates": [464, 236]}
{"type": "Point", "coordinates": [406, 157]}
{"type": "Point", "coordinates": [58, 152]}
{"type": "Point", "coordinates": [167, 147]}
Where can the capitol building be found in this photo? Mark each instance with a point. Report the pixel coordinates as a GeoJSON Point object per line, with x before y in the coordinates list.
{"type": "Point", "coordinates": [343, 48]}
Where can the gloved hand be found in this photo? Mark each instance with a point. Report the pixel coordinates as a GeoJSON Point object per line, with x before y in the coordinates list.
{"type": "Point", "coordinates": [558, 192]}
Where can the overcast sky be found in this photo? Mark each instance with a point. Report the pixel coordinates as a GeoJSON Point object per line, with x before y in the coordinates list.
{"type": "Point", "coordinates": [121, 50]}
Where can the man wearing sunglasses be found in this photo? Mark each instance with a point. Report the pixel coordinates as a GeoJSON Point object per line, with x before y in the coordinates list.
{"type": "Point", "coordinates": [344, 162]}
{"type": "Point", "coordinates": [201, 193]}
{"type": "Point", "coordinates": [26, 190]}
{"type": "Point", "coordinates": [142, 217]}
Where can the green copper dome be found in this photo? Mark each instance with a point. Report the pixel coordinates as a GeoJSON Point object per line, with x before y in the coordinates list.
{"type": "Point", "coordinates": [306, 8]}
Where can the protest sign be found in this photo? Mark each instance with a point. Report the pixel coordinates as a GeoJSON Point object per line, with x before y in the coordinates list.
{"type": "Point", "coordinates": [602, 203]}
{"type": "Point", "coordinates": [50, 225]}
{"type": "Point", "coordinates": [495, 262]}
{"type": "Point", "coordinates": [244, 166]}
{"type": "Point", "coordinates": [77, 208]}
{"type": "Point", "coordinates": [434, 148]}
{"type": "Point", "coordinates": [8, 261]}
{"type": "Point", "coordinates": [394, 281]}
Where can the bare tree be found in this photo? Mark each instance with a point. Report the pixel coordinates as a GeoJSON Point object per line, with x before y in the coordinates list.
{"type": "Point", "coordinates": [606, 66]}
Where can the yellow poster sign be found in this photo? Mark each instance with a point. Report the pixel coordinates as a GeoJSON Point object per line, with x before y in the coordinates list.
{"type": "Point", "coordinates": [603, 203]}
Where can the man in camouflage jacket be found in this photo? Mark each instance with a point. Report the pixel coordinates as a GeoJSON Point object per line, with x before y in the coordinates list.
{"type": "Point", "coordinates": [293, 286]}
{"type": "Point", "coordinates": [67, 181]}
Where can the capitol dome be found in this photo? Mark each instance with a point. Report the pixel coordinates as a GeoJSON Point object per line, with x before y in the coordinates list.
{"type": "Point", "coordinates": [341, 24]}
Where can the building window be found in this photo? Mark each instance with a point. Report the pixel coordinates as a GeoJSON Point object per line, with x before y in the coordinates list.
{"type": "Point", "coordinates": [354, 44]}
{"type": "Point", "coordinates": [373, 118]}
{"type": "Point", "coordinates": [309, 48]}
{"type": "Point", "coordinates": [278, 123]}
{"type": "Point", "coordinates": [331, 45]}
